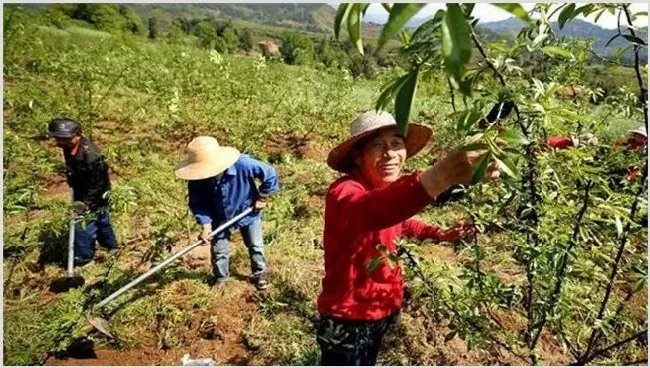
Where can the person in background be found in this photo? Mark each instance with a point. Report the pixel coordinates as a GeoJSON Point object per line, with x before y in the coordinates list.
{"type": "Point", "coordinates": [372, 205]}
{"type": "Point", "coordinates": [87, 175]}
{"type": "Point", "coordinates": [221, 184]}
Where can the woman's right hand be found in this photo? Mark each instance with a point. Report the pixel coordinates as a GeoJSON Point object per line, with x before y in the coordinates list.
{"type": "Point", "coordinates": [453, 168]}
{"type": "Point", "coordinates": [205, 234]}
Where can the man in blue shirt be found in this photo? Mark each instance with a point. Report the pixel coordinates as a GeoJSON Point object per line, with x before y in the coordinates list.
{"type": "Point", "coordinates": [221, 184]}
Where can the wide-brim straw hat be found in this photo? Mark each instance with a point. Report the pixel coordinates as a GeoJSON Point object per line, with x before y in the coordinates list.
{"type": "Point", "coordinates": [640, 130]}
{"type": "Point", "coordinates": [368, 123]}
{"type": "Point", "coordinates": [205, 158]}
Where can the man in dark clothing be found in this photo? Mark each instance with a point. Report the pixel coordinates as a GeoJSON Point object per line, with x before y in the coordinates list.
{"type": "Point", "coordinates": [87, 175]}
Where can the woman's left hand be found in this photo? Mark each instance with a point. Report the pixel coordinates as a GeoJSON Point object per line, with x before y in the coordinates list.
{"type": "Point", "coordinates": [457, 232]}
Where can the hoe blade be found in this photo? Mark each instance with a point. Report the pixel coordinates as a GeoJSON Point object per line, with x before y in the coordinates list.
{"type": "Point", "coordinates": [100, 324]}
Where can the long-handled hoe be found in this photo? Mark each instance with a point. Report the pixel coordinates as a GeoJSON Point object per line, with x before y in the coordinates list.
{"type": "Point", "coordinates": [102, 324]}
{"type": "Point", "coordinates": [70, 280]}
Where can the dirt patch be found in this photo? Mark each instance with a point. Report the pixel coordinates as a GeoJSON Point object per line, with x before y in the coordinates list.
{"type": "Point", "coordinates": [214, 333]}
{"type": "Point", "coordinates": [438, 252]}
{"type": "Point", "coordinates": [60, 188]}
{"type": "Point", "coordinates": [638, 306]}
{"type": "Point", "coordinates": [300, 146]}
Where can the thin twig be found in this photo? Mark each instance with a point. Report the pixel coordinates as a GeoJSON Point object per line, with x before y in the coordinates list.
{"type": "Point", "coordinates": [610, 61]}
{"type": "Point", "coordinates": [612, 277]}
{"type": "Point", "coordinates": [489, 63]}
{"type": "Point", "coordinates": [591, 357]}
{"type": "Point", "coordinates": [559, 277]}
{"type": "Point", "coordinates": [644, 94]}
{"type": "Point", "coordinates": [451, 93]}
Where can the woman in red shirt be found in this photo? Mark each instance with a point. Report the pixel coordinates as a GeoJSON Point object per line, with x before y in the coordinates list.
{"type": "Point", "coordinates": [371, 205]}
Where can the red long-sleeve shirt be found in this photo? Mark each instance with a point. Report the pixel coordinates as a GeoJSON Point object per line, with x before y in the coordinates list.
{"type": "Point", "coordinates": [357, 219]}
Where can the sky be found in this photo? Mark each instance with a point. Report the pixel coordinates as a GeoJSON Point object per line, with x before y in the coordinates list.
{"type": "Point", "coordinates": [489, 13]}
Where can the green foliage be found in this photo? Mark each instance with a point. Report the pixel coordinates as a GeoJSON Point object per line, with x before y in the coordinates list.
{"type": "Point", "coordinates": [206, 34]}
{"type": "Point", "coordinates": [246, 41]}
{"type": "Point", "coordinates": [230, 40]}
{"type": "Point", "coordinates": [297, 49]}
{"type": "Point", "coordinates": [153, 28]}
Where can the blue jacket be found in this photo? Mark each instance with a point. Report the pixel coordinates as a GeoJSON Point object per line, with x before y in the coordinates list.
{"type": "Point", "coordinates": [217, 200]}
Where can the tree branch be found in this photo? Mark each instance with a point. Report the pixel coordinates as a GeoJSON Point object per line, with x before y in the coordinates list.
{"type": "Point", "coordinates": [591, 357]}
{"type": "Point", "coordinates": [644, 92]}
{"type": "Point", "coordinates": [559, 277]}
{"type": "Point", "coordinates": [612, 277]}
{"type": "Point", "coordinates": [451, 93]}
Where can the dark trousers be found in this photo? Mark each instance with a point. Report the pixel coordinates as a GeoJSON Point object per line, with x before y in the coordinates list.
{"type": "Point", "coordinates": [97, 229]}
{"type": "Point", "coordinates": [351, 343]}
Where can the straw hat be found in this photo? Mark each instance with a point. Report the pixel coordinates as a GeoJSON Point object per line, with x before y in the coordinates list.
{"type": "Point", "coordinates": [368, 123]}
{"type": "Point", "coordinates": [205, 159]}
{"type": "Point", "coordinates": [640, 130]}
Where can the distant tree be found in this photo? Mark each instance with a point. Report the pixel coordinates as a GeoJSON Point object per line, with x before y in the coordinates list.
{"type": "Point", "coordinates": [230, 38]}
{"type": "Point", "coordinates": [153, 28]}
{"type": "Point", "coordinates": [133, 22]}
{"type": "Point", "coordinates": [175, 33]}
{"type": "Point", "coordinates": [206, 33]}
{"type": "Point", "coordinates": [246, 41]}
{"type": "Point", "coordinates": [325, 53]}
{"type": "Point", "coordinates": [105, 17]}
{"type": "Point", "coordinates": [297, 48]}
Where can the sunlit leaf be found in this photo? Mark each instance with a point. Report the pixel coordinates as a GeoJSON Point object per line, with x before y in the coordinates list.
{"type": "Point", "coordinates": [506, 166]}
{"type": "Point", "coordinates": [515, 9]}
{"type": "Point", "coordinates": [404, 100]}
{"type": "Point", "coordinates": [619, 227]}
{"type": "Point", "coordinates": [566, 15]}
{"type": "Point", "coordinates": [513, 137]}
{"type": "Point", "coordinates": [480, 167]}
{"type": "Point", "coordinates": [557, 51]}
{"type": "Point", "coordinates": [456, 44]}
{"type": "Point", "coordinates": [399, 16]}
{"type": "Point", "coordinates": [341, 17]}
{"type": "Point", "coordinates": [354, 27]}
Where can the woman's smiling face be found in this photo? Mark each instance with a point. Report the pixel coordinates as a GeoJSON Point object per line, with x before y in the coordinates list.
{"type": "Point", "coordinates": [382, 157]}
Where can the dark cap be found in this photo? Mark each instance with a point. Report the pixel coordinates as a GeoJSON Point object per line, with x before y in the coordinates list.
{"type": "Point", "coordinates": [64, 128]}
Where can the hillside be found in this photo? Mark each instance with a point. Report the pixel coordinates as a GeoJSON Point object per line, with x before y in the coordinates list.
{"type": "Point", "coordinates": [575, 29]}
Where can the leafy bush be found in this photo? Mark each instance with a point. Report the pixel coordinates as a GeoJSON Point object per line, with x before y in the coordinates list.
{"type": "Point", "coordinates": [297, 48]}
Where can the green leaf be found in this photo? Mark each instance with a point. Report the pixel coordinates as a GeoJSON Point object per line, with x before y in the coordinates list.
{"type": "Point", "coordinates": [478, 172]}
{"type": "Point", "coordinates": [387, 6]}
{"type": "Point", "coordinates": [473, 147]}
{"type": "Point", "coordinates": [393, 260]}
{"type": "Point", "coordinates": [450, 335]}
{"type": "Point", "coordinates": [399, 16]}
{"type": "Point", "coordinates": [585, 10]}
{"type": "Point", "coordinates": [566, 15]}
{"type": "Point", "coordinates": [506, 166]}
{"type": "Point", "coordinates": [404, 100]}
{"type": "Point", "coordinates": [354, 27]}
{"type": "Point", "coordinates": [373, 264]}
{"type": "Point", "coordinates": [390, 90]}
{"type": "Point", "coordinates": [341, 16]}
{"type": "Point", "coordinates": [619, 226]}
{"type": "Point", "coordinates": [557, 51]}
{"type": "Point", "coordinates": [513, 137]}
{"type": "Point", "coordinates": [515, 9]}
{"type": "Point", "coordinates": [598, 15]}
{"type": "Point", "coordinates": [456, 44]}
{"type": "Point", "coordinates": [468, 118]}
{"type": "Point", "coordinates": [635, 40]}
